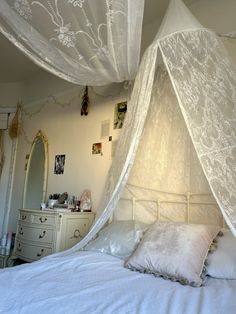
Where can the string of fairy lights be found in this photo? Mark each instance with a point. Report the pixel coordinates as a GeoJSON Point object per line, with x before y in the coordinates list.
{"type": "Point", "coordinates": [31, 110]}
{"type": "Point", "coordinates": [50, 99]}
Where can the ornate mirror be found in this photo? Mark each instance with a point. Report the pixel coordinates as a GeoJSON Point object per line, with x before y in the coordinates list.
{"type": "Point", "coordinates": [36, 173]}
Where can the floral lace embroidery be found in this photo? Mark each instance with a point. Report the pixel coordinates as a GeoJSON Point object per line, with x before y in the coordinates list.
{"type": "Point", "coordinates": [23, 8]}
{"type": "Point", "coordinates": [76, 3]}
{"type": "Point", "coordinates": [65, 36]}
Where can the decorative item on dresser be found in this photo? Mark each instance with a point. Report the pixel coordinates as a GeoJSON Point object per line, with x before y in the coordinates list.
{"type": "Point", "coordinates": [42, 233]}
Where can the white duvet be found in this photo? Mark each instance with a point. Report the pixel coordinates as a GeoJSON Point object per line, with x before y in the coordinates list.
{"type": "Point", "coordinates": [90, 282]}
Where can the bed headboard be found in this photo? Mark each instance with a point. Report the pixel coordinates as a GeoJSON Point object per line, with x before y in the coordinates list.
{"type": "Point", "coordinates": [165, 206]}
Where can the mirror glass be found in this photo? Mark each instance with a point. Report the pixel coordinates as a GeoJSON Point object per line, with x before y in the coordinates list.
{"type": "Point", "coordinates": [36, 173]}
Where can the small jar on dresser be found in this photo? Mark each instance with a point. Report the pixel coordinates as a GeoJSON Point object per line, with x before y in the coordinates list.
{"type": "Point", "coordinates": [40, 233]}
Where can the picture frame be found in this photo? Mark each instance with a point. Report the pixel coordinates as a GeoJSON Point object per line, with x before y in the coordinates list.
{"type": "Point", "coordinates": [59, 164]}
{"type": "Point", "coordinates": [119, 114]}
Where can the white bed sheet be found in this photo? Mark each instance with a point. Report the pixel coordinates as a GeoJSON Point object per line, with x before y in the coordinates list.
{"type": "Point", "coordinates": [91, 282]}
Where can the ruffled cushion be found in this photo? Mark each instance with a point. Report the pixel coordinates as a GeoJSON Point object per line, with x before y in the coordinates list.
{"type": "Point", "coordinates": [222, 262]}
{"type": "Point", "coordinates": [119, 238]}
{"type": "Point", "coordinates": [174, 251]}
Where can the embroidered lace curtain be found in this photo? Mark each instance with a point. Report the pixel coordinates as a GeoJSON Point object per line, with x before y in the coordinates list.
{"type": "Point", "coordinates": [204, 81]}
{"type": "Point", "coordinates": [85, 42]}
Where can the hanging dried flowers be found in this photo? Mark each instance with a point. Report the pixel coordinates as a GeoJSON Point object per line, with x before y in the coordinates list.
{"type": "Point", "coordinates": [85, 102]}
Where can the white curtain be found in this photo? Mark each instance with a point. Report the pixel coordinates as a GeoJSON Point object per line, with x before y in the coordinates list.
{"type": "Point", "coordinates": [166, 159]}
{"type": "Point", "coordinates": [204, 81]}
{"type": "Point", "coordinates": [127, 144]}
{"type": "Point", "coordinates": [86, 42]}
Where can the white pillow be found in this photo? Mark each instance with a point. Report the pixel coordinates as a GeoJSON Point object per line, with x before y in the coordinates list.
{"type": "Point", "coordinates": [222, 262]}
{"type": "Point", "coordinates": [119, 238]}
{"type": "Point", "coordinates": [174, 251]}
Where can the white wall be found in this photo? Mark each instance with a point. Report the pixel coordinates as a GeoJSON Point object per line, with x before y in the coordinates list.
{"type": "Point", "coordinates": [10, 94]}
{"type": "Point", "coordinates": [6, 177]}
{"type": "Point", "coordinates": [71, 134]}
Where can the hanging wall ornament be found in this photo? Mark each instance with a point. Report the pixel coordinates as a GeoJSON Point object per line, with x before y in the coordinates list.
{"type": "Point", "coordinates": [14, 127]}
{"type": "Point", "coordinates": [85, 102]}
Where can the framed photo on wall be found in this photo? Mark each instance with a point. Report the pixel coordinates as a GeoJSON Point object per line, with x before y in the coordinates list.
{"type": "Point", "coordinates": [59, 164]}
{"type": "Point", "coordinates": [119, 114]}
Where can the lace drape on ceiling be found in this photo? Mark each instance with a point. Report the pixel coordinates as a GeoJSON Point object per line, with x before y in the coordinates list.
{"type": "Point", "coordinates": [86, 42]}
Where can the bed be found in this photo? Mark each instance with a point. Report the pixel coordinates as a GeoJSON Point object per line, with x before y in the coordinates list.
{"type": "Point", "coordinates": [92, 281]}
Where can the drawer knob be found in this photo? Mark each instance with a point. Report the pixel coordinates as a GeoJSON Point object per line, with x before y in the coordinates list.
{"type": "Point", "coordinates": [21, 231]}
{"type": "Point", "coordinates": [23, 217]}
{"type": "Point", "coordinates": [43, 219]}
{"type": "Point", "coordinates": [40, 253]}
{"type": "Point", "coordinates": [19, 249]}
{"type": "Point", "coordinates": [42, 235]}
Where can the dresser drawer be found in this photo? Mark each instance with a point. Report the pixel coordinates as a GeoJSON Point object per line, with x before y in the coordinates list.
{"type": "Point", "coordinates": [37, 218]}
{"type": "Point", "coordinates": [74, 231]}
{"type": "Point", "coordinates": [43, 235]}
{"type": "Point", "coordinates": [31, 252]}
{"type": "Point", "coordinates": [44, 219]}
{"type": "Point", "coordinates": [24, 216]}
{"type": "Point", "coordinates": [77, 228]}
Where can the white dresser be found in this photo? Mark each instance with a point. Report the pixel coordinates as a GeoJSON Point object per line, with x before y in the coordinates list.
{"type": "Point", "coordinates": [40, 233]}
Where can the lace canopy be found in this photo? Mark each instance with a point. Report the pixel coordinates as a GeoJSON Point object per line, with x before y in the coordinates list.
{"type": "Point", "coordinates": [85, 42]}
{"type": "Point", "coordinates": [203, 80]}
{"type": "Point", "coordinates": [185, 70]}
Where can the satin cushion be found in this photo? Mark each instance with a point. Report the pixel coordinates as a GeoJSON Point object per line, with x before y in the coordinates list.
{"type": "Point", "coordinates": [222, 262]}
{"type": "Point", "coordinates": [175, 251]}
{"type": "Point", "coordinates": [119, 238]}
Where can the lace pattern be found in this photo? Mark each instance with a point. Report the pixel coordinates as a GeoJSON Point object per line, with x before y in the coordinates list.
{"type": "Point", "coordinates": [83, 41]}
{"type": "Point", "coordinates": [205, 80]}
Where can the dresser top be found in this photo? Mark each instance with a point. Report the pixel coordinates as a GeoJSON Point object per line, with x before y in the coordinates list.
{"type": "Point", "coordinates": [55, 211]}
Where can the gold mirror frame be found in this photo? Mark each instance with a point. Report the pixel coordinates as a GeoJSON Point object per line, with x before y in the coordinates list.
{"type": "Point", "coordinates": [39, 137]}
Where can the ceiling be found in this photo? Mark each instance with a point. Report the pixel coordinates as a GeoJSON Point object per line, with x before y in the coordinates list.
{"type": "Point", "coordinates": [14, 65]}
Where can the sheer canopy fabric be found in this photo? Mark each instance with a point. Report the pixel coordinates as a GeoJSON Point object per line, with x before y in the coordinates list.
{"type": "Point", "coordinates": [204, 81]}
{"type": "Point", "coordinates": [127, 144]}
{"type": "Point", "coordinates": [86, 42]}
{"type": "Point", "coordinates": [166, 159]}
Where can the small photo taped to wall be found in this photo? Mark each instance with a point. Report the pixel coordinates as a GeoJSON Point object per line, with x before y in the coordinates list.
{"type": "Point", "coordinates": [59, 164]}
{"type": "Point", "coordinates": [97, 148]}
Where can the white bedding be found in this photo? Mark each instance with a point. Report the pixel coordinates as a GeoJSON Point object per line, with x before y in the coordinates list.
{"type": "Point", "coordinates": [90, 282]}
